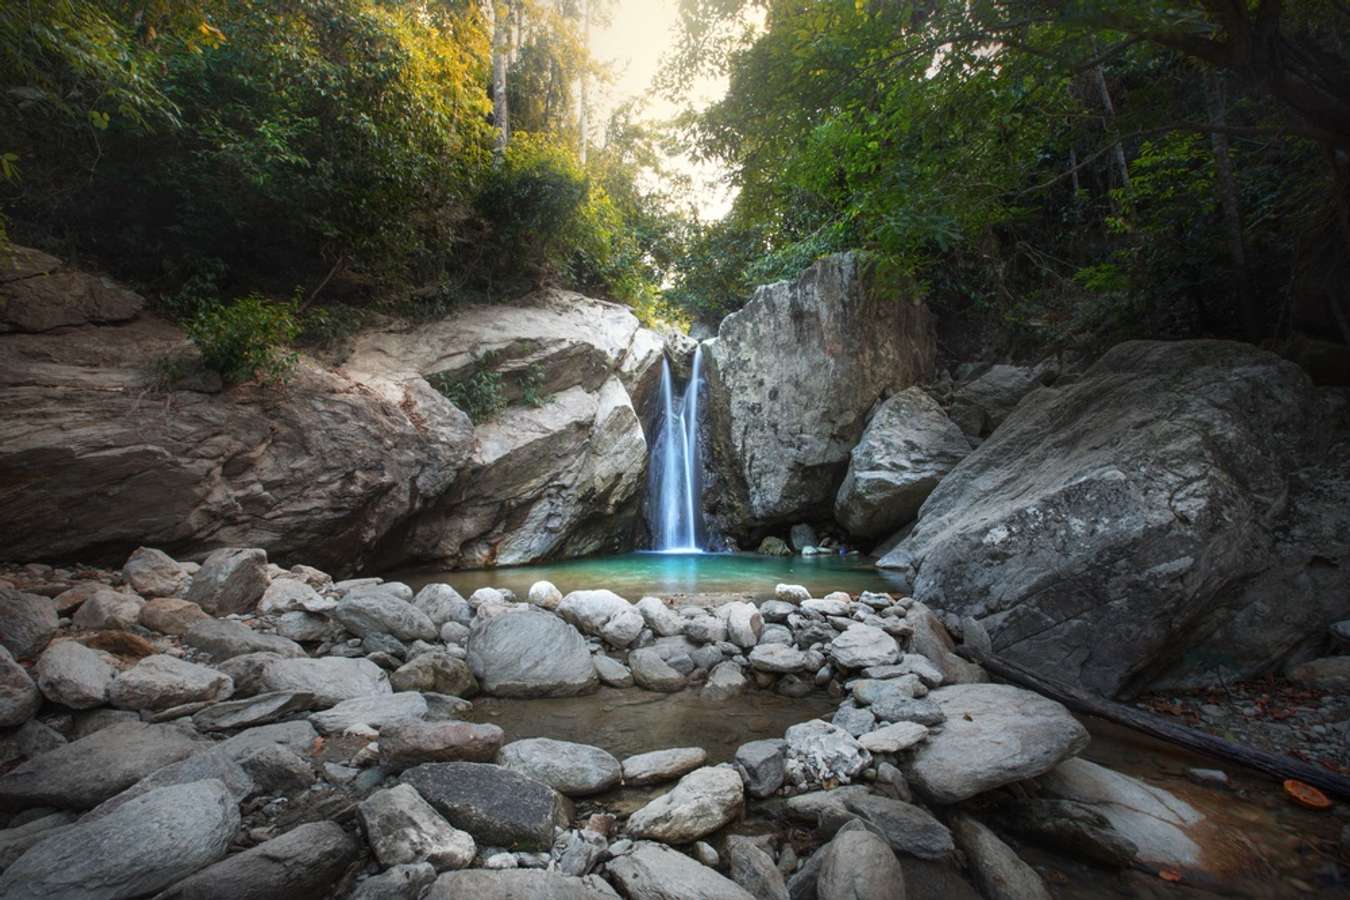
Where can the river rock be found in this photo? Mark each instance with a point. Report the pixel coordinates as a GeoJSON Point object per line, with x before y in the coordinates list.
{"type": "Point", "coordinates": [855, 720]}
{"type": "Point", "coordinates": [518, 884]}
{"type": "Point", "coordinates": [1163, 504]}
{"type": "Point", "coordinates": [231, 580]}
{"type": "Point", "coordinates": [611, 672]}
{"type": "Point", "coordinates": [409, 742]}
{"type": "Point", "coordinates": [1072, 827]}
{"type": "Point", "coordinates": [148, 844]}
{"type": "Point", "coordinates": [761, 764]}
{"type": "Point", "coordinates": [777, 658]}
{"type": "Point", "coordinates": [221, 639]}
{"type": "Point", "coordinates": [497, 805]}
{"type": "Point", "coordinates": [436, 672]}
{"type": "Point", "coordinates": [27, 622]}
{"type": "Point", "coordinates": [652, 672]}
{"type": "Point", "coordinates": [858, 865]}
{"type": "Point", "coordinates": [38, 294]}
{"type": "Point", "coordinates": [330, 679]}
{"type": "Point", "coordinates": [1157, 822]}
{"type": "Point", "coordinates": [726, 680]}
{"type": "Point", "coordinates": [702, 802]}
{"type": "Point", "coordinates": [653, 871]}
{"type": "Point", "coordinates": [292, 595]}
{"type": "Point", "coordinates": [544, 595]}
{"type": "Point", "coordinates": [246, 671]}
{"type": "Point", "coordinates": [153, 573]}
{"type": "Point", "coordinates": [931, 640]}
{"type": "Point", "coordinates": [623, 628]}
{"type": "Point", "coordinates": [906, 827]}
{"type": "Point", "coordinates": [894, 706]}
{"type": "Point", "coordinates": [19, 697]}
{"type": "Point", "coordinates": [791, 378]}
{"type": "Point", "coordinates": [369, 611]}
{"type": "Point", "coordinates": [296, 737]}
{"type": "Point", "coordinates": [530, 654]}
{"type": "Point", "coordinates": [983, 403]}
{"type": "Point", "coordinates": [572, 769]}
{"type": "Point", "coordinates": [590, 610]}
{"type": "Point", "coordinates": [1330, 673]}
{"type": "Point", "coordinates": [161, 681]}
{"type": "Point", "coordinates": [249, 712]}
{"type": "Point", "coordinates": [205, 765]}
{"type": "Point", "coordinates": [376, 712]}
{"type": "Point", "coordinates": [999, 872]}
{"type": "Point", "coordinates": [994, 734]}
{"type": "Point", "coordinates": [826, 751]}
{"type": "Point", "coordinates": [744, 624]}
{"type": "Point", "coordinates": [861, 646]}
{"type": "Point", "coordinates": [661, 619]}
{"type": "Point", "coordinates": [405, 882]}
{"type": "Point", "coordinates": [893, 738]}
{"type": "Point", "coordinates": [108, 610]}
{"type": "Point", "coordinates": [909, 446]}
{"type": "Point", "coordinates": [169, 615]}
{"type": "Point", "coordinates": [442, 604]}
{"type": "Point", "coordinates": [403, 828]}
{"type": "Point", "coordinates": [662, 765]}
{"type": "Point", "coordinates": [753, 869]}
{"type": "Point", "coordinates": [305, 863]}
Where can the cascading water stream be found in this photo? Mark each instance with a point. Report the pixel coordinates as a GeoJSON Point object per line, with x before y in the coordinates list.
{"type": "Point", "coordinates": [676, 483]}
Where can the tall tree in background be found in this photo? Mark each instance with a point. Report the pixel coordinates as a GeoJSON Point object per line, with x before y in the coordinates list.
{"type": "Point", "coordinates": [583, 113]}
{"type": "Point", "coordinates": [501, 50]}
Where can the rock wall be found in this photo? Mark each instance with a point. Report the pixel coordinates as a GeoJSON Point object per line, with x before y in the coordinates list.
{"type": "Point", "coordinates": [1169, 512]}
{"type": "Point", "coordinates": [360, 466]}
{"type": "Point", "coordinates": [791, 379]}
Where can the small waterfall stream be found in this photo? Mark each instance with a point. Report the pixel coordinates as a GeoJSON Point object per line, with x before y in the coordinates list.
{"type": "Point", "coordinates": [677, 523]}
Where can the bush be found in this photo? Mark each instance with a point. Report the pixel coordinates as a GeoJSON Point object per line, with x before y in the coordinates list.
{"type": "Point", "coordinates": [247, 339]}
{"type": "Point", "coordinates": [479, 394]}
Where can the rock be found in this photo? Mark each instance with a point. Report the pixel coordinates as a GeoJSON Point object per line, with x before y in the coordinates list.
{"type": "Point", "coordinates": [443, 605]}
{"type": "Point", "coordinates": [211, 764]}
{"type": "Point", "coordinates": [623, 628]}
{"type": "Point", "coordinates": [291, 595]}
{"type": "Point", "coordinates": [753, 869]}
{"type": "Point", "coordinates": [802, 536]}
{"type": "Point", "coordinates": [828, 606]}
{"type": "Point", "coordinates": [1166, 503]}
{"type": "Point", "coordinates": [774, 546]}
{"type": "Point", "coordinates": [894, 738]}
{"type": "Point", "coordinates": [1331, 673]}
{"type": "Point", "coordinates": [760, 764]}
{"type": "Point", "coordinates": [436, 672]}
{"type": "Point", "coordinates": [999, 873]}
{"type": "Point", "coordinates": [983, 403]}
{"type": "Point", "coordinates": [744, 625]}
{"type": "Point", "coordinates": [231, 580]}
{"type": "Point", "coordinates": [295, 736]}
{"type": "Point", "coordinates": [791, 378]}
{"type": "Point", "coordinates": [37, 294]}
{"type": "Point", "coordinates": [826, 751]}
{"type": "Point", "coordinates": [408, 742]}
{"type": "Point", "coordinates": [261, 709]}
{"type": "Point", "coordinates": [590, 610]}
{"type": "Point", "coordinates": [854, 720]}
{"type": "Point", "coordinates": [859, 865]}
{"type": "Point", "coordinates": [247, 672]}
{"type": "Point", "coordinates": [497, 805]}
{"type": "Point", "coordinates": [544, 595]}
{"type": "Point", "coordinates": [931, 641]}
{"type": "Point", "coordinates": [169, 615]}
{"type": "Point", "coordinates": [1157, 822]}
{"type": "Point", "coordinates": [153, 573]}
{"type": "Point", "coordinates": [702, 802]}
{"type": "Point", "coordinates": [994, 734]}
{"type": "Point", "coordinates": [221, 639]}
{"type": "Point", "coordinates": [108, 610]}
{"type": "Point", "coordinates": [791, 593]}
{"type": "Point", "coordinates": [331, 679]}
{"type": "Point", "coordinates": [909, 446]}
{"type": "Point", "coordinates": [576, 770]}
{"type": "Point", "coordinates": [813, 805]}
{"type": "Point", "coordinates": [726, 680]}
{"type": "Point", "coordinates": [661, 619]}
{"type": "Point", "coordinates": [896, 707]}
{"type": "Point", "coordinates": [19, 697]}
{"type": "Point", "coordinates": [519, 884]}
{"type": "Point", "coordinates": [305, 627]}
{"type": "Point", "coordinates": [506, 656]}
{"type": "Point", "coordinates": [277, 770]}
{"type": "Point", "coordinates": [396, 883]}
{"type": "Point", "coordinates": [656, 872]}
{"type": "Point", "coordinates": [305, 863]}
{"type": "Point", "coordinates": [375, 712]}
{"type": "Point", "coordinates": [148, 844]}
{"type": "Point", "coordinates": [861, 646]}
{"type": "Point", "coordinates": [906, 827]}
{"type": "Point", "coordinates": [611, 672]}
{"type": "Point", "coordinates": [15, 841]}
{"type": "Point", "coordinates": [1073, 828]}
{"type": "Point", "coordinates": [403, 828]}
{"type": "Point", "coordinates": [650, 671]}
{"type": "Point", "coordinates": [705, 629]}
{"type": "Point", "coordinates": [661, 765]}
{"type": "Point", "coordinates": [27, 622]}
{"type": "Point", "coordinates": [374, 611]}
{"type": "Point", "coordinates": [160, 682]}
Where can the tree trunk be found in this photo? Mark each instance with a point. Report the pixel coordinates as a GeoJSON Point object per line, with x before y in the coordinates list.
{"type": "Point", "coordinates": [1117, 151]}
{"type": "Point", "coordinates": [583, 113]}
{"type": "Point", "coordinates": [1225, 186]}
{"type": "Point", "coordinates": [501, 32]}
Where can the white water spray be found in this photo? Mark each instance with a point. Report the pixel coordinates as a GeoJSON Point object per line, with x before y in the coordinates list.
{"type": "Point", "coordinates": [676, 481]}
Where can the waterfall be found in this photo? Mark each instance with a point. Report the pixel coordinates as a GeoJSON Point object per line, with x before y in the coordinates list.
{"type": "Point", "coordinates": [676, 482]}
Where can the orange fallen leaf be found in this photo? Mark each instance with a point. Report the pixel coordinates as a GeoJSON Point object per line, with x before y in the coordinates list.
{"type": "Point", "coordinates": [1169, 875]}
{"type": "Point", "coordinates": [1306, 795]}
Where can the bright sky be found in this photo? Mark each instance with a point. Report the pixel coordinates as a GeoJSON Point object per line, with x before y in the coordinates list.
{"type": "Point", "coordinates": [633, 44]}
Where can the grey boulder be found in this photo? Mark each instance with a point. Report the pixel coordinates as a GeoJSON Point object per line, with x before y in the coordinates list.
{"type": "Point", "coordinates": [403, 828]}
{"type": "Point", "coordinates": [530, 654]}
{"type": "Point", "coordinates": [260, 709]}
{"type": "Point", "coordinates": [223, 639]}
{"type": "Point", "coordinates": [231, 580]}
{"type": "Point", "coordinates": [999, 872]}
{"type": "Point", "coordinates": [497, 805]}
{"type": "Point", "coordinates": [153, 573]}
{"type": "Point", "coordinates": [368, 611]}
{"type": "Point", "coordinates": [518, 884]}
{"type": "Point", "coordinates": [19, 697]}
{"type": "Point", "coordinates": [27, 622]}
{"type": "Point", "coordinates": [330, 679]}
{"type": "Point", "coordinates": [702, 802]}
{"type": "Point", "coordinates": [576, 770]}
{"type": "Point", "coordinates": [305, 863]}
{"type": "Point", "coordinates": [73, 675]}
{"type": "Point", "coordinates": [662, 765]}
{"type": "Point", "coordinates": [372, 713]}
{"type": "Point", "coordinates": [653, 871]}
{"type": "Point", "coordinates": [161, 681]}
{"type": "Point", "coordinates": [859, 865]}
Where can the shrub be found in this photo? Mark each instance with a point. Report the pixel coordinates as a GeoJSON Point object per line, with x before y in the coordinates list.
{"type": "Point", "coordinates": [247, 339]}
{"type": "Point", "coordinates": [479, 394]}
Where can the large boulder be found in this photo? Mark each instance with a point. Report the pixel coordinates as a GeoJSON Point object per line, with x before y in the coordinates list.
{"type": "Point", "coordinates": [232, 580]}
{"type": "Point", "coordinates": [572, 769]}
{"type": "Point", "coordinates": [791, 378]}
{"type": "Point", "coordinates": [980, 404]}
{"type": "Point", "coordinates": [994, 734]}
{"type": "Point", "coordinates": [19, 697]}
{"type": "Point", "coordinates": [1159, 503]}
{"type": "Point", "coordinates": [653, 871]}
{"type": "Point", "coordinates": [38, 293]}
{"type": "Point", "coordinates": [498, 806]}
{"type": "Point", "coordinates": [369, 611]}
{"type": "Point", "coordinates": [518, 884]}
{"type": "Point", "coordinates": [162, 681]}
{"type": "Point", "coordinates": [859, 865]}
{"type": "Point", "coordinates": [530, 654]}
{"type": "Point", "coordinates": [331, 679]}
{"type": "Point", "coordinates": [74, 675]}
{"type": "Point", "coordinates": [147, 844]}
{"type": "Point", "coordinates": [305, 863]}
{"type": "Point", "coordinates": [704, 801]}
{"type": "Point", "coordinates": [153, 573]}
{"type": "Point", "coordinates": [403, 828]}
{"type": "Point", "coordinates": [909, 446]}
{"type": "Point", "coordinates": [27, 621]}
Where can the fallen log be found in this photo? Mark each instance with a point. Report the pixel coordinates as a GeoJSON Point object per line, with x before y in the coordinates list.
{"type": "Point", "coordinates": [1276, 765]}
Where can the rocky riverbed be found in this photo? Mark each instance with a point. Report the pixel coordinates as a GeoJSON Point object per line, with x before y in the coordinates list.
{"type": "Point", "coordinates": [237, 729]}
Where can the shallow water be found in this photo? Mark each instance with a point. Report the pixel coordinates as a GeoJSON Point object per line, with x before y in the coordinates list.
{"type": "Point", "coordinates": [634, 575]}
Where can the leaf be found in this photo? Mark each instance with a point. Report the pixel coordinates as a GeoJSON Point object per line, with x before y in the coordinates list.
{"type": "Point", "coordinates": [98, 119]}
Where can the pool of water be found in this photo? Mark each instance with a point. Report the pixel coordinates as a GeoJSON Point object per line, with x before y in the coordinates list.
{"type": "Point", "coordinates": [634, 575]}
